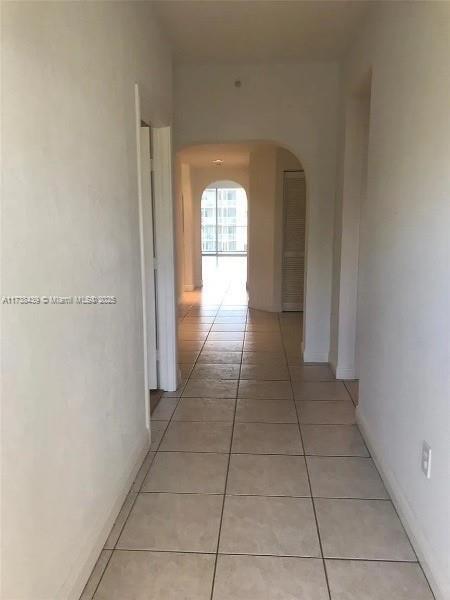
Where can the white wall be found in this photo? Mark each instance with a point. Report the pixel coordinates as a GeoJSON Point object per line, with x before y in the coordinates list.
{"type": "Point", "coordinates": [261, 231]}
{"type": "Point", "coordinates": [294, 105]}
{"type": "Point", "coordinates": [73, 376]}
{"type": "Point", "coordinates": [404, 266]}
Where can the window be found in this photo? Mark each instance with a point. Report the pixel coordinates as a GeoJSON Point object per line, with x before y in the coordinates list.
{"type": "Point", "coordinates": [224, 221]}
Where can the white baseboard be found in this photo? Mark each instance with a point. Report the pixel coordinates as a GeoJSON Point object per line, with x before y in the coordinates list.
{"type": "Point", "coordinates": [345, 373]}
{"type": "Point", "coordinates": [341, 372]}
{"type": "Point", "coordinates": [439, 581]}
{"type": "Point", "coordinates": [314, 357]}
{"type": "Point", "coordinates": [90, 550]}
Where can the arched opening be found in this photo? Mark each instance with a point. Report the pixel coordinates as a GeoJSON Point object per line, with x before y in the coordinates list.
{"type": "Point", "coordinates": [223, 226]}
{"type": "Point", "coordinates": [226, 262]}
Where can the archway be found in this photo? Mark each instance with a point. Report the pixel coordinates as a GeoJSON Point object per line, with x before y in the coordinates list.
{"type": "Point", "coordinates": [263, 169]}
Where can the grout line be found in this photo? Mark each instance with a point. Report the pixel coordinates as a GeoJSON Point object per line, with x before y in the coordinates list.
{"type": "Point", "coordinates": [309, 484]}
{"type": "Point", "coordinates": [302, 556]}
{"type": "Point", "coordinates": [301, 497]}
{"type": "Point", "coordinates": [226, 478]}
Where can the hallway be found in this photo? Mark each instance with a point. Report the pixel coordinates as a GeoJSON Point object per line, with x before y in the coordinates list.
{"type": "Point", "coordinates": [304, 516]}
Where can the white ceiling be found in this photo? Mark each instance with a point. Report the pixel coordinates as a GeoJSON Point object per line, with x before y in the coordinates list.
{"type": "Point", "coordinates": [233, 155]}
{"type": "Point", "coordinates": [232, 31]}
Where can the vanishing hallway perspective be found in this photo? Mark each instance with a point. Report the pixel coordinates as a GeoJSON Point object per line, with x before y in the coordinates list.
{"type": "Point", "coordinates": [258, 485]}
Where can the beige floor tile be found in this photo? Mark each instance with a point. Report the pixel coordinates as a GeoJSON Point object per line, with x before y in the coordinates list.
{"type": "Point", "coordinates": [361, 580]}
{"type": "Point", "coordinates": [157, 576]}
{"type": "Point", "coordinates": [320, 390]}
{"type": "Point", "coordinates": [157, 428]}
{"type": "Point", "coordinates": [294, 357]}
{"type": "Point", "coordinates": [164, 409]}
{"type": "Point", "coordinates": [364, 529]}
{"type": "Point", "coordinates": [190, 346]}
{"type": "Point", "coordinates": [219, 358]}
{"type": "Point", "coordinates": [345, 477]}
{"type": "Point", "coordinates": [267, 475]}
{"type": "Point", "coordinates": [175, 522]}
{"type": "Point", "coordinates": [143, 472]}
{"type": "Point", "coordinates": [265, 411]}
{"type": "Point", "coordinates": [185, 371]}
{"type": "Point", "coordinates": [266, 438]}
{"type": "Point", "coordinates": [120, 521]}
{"type": "Point", "coordinates": [96, 575]}
{"type": "Point", "coordinates": [265, 337]}
{"type": "Point", "coordinates": [264, 358]}
{"type": "Point", "coordinates": [333, 440]}
{"type": "Point", "coordinates": [226, 336]}
{"type": "Point", "coordinates": [269, 578]}
{"type": "Point", "coordinates": [255, 314]}
{"type": "Point", "coordinates": [205, 409]}
{"type": "Point", "coordinates": [202, 312]}
{"type": "Point", "coordinates": [204, 388]}
{"type": "Point", "coordinates": [262, 525]}
{"type": "Point", "coordinates": [188, 357]}
{"type": "Point", "coordinates": [187, 472]}
{"type": "Point", "coordinates": [228, 327]}
{"type": "Point", "coordinates": [269, 326]}
{"type": "Point", "coordinates": [335, 412]}
{"type": "Point", "coordinates": [253, 346]}
{"type": "Point", "coordinates": [197, 437]}
{"type": "Point", "coordinates": [232, 320]}
{"type": "Point", "coordinates": [265, 372]}
{"type": "Point", "coordinates": [192, 336]}
{"type": "Point", "coordinates": [223, 346]}
{"type": "Point", "coordinates": [188, 320]}
{"type": "Point", "coordinates": [266, 390]}
{"type": "Point", "coordinates": [204, 371]}
{"type": "Point", "coordinates": [190, 327]}
{"type": "Point", "coordinates": [311, 373]}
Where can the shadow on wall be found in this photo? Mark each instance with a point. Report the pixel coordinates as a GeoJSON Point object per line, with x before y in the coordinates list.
{"type": "Point", "coordinates": [274, 181]}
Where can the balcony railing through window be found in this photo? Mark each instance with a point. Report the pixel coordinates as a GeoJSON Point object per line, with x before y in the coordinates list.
{"type": "Point", "coordinates": [224, 221]}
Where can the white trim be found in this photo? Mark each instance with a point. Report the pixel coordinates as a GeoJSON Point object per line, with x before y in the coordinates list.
{"type": "Point", "coordinates": [137, 104]}
{"type": "Point", "coordinates": [311, 357]}
{"type": "Point", "coordinates": [439, 582]}
{"type": "Point", "coordinates": [167, 323]}
{"type": "Point", "coordinates": [344, 372]}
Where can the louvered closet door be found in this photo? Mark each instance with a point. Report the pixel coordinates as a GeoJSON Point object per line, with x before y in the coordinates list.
{"type": "Point", "coordinates": [294, 200]}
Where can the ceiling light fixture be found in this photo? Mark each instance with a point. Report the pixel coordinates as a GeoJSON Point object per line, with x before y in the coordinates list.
{"type": "Point", "coordinates": [217, 162]}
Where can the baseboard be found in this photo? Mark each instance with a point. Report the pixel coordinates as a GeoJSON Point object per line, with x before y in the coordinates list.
{"type": "Point", "coordinates": [439, 582]}
{"type": "Point", "coordinates": [314, 357]}
{"type": "Point", "coordinates": [344, 372]}
{"type": "Point", "coordinates": [90, 551]}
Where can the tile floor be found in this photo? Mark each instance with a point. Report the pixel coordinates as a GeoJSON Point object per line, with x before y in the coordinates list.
{"type": "Point", "coordinates": [258, 484]}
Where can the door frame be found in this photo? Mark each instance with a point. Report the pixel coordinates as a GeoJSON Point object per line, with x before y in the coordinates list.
{"type": "Point", "coordinates": [164, 243]}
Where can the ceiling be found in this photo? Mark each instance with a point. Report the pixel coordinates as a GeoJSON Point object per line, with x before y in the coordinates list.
{"type": "Point", "coordinates": [232, 155]}
{"type": "Point", "coordinates": [230, 31]}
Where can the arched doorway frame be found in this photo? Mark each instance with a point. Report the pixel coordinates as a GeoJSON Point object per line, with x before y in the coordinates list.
{"type": "Point", "coordinates": [319, 331]}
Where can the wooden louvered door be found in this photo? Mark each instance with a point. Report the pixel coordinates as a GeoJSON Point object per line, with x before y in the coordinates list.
{"type": "Point", "coordinates": [293, 266]}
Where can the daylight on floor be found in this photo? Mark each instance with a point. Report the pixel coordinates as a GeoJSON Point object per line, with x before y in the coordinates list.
{"type": "Point", "coordinates": [225, 300]}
